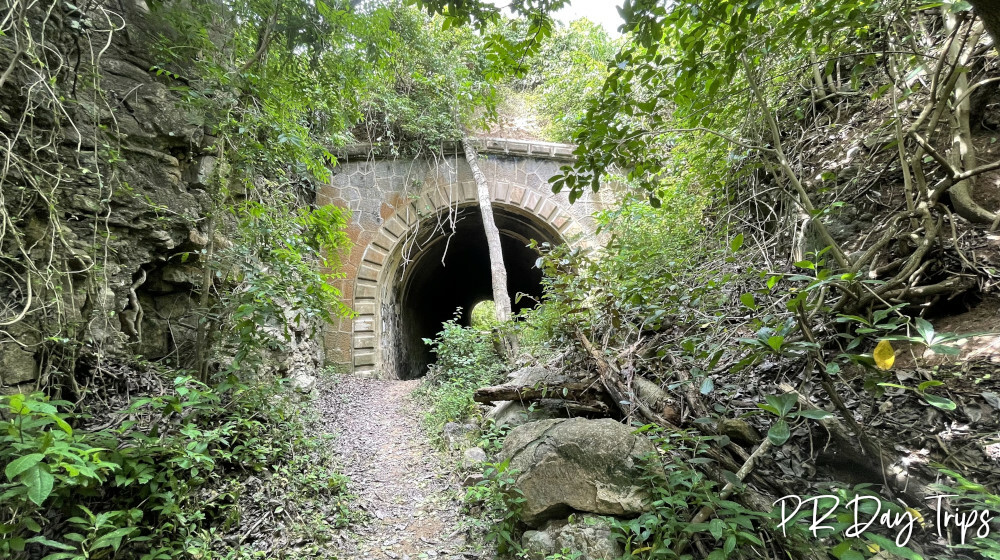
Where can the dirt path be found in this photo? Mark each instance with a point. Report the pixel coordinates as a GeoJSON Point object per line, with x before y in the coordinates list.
{"type": "Point", "coordinates": [406, 489]}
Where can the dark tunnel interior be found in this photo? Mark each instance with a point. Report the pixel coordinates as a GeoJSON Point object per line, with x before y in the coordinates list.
{"type": "Point", "coordinates": [430, 290]}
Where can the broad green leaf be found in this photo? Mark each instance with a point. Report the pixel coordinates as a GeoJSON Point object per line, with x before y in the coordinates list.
{"type": "Point", "coordinates": [50, 543]}
{"type": "Point", "coordinates": [707, 386]}
{"type": "Point", "coordinates": [62, 424]}
{"type": "Point", "coordinates": [839, 550]}
{"type": "Point", "coordinates": [736, 243]}
{"type": "Point", "coordinates": [891, 546]}
{"type": "Point", "coordinates": [960, 6]}
{"type": "Point", "coordinates": [784, 403]}
{"type": "Point", "coordinates": [39, 481]}
{"type": "Point", "coordinates": [944, 349]}
{"type": "Point", "coordinates": [926, 384]}
{"type": "Point", "coordinates": [925, 329]}
{"type": "Point", "coordinates": [22, 464]}
{"type": "Point", "coordinates": [749, 301]}
{"type": "Point", "coordinates": [17, 404]}
{"type": "Point", "coordinates": [769, 408]}
{"type": "Point", "coordinates": [779, 433]}
{"type": "Point", "coordinates": [940, 402]}
{"type": "Point", "coordinates": [113, 539]}
{"type": "Point", "coordinates": [894, 385]}
{"type": "Point", "coordinates": [716, 527]}
{"type": "Point", "coordinates": [775, 342]}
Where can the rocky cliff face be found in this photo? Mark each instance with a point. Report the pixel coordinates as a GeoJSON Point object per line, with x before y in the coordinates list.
{"type": "Point", "coordinates": [103, 191]}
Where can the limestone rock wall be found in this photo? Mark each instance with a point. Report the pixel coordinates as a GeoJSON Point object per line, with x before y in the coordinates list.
{"type": "Point", "coordinates": [103, 199]}
{"type": "Point", "coordinates": [94, 240]}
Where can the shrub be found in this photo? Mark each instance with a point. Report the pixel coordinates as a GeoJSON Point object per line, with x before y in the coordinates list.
{"type": "Point", "coordinates": [141, 490]}
{"type": "Point", "coordinates": [497, 502]}
{"type": "Point", "coordinates": [466, 360]}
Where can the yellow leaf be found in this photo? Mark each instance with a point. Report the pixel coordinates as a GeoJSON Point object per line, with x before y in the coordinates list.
{"type": "Point", "coordinates": [884, 355]}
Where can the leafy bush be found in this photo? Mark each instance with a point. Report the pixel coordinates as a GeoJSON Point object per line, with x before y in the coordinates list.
{"type": "Point", "coordinates": [567, 72]}
{"type": "Point", "coordinates": [139, 490]}
{"type": "Point", "coordinates": [466, 360]}
{"type": "Point", "coordinates": [675, 500]}
{"type": "Point", "coordinates": [497, 503]}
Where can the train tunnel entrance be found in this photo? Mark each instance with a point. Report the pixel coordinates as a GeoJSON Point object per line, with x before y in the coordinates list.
{"type": "Point", "coordinates": [449, 267]}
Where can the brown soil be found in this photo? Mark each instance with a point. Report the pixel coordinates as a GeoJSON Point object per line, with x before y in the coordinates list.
{"type": "Point", "coordinates": [405, 489]}
{"type": "Point", "coordinates": [983, 321]}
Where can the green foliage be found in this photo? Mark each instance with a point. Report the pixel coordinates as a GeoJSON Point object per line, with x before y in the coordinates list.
{"type": "Point", "coordinates": [442, 76]}
{"type": "Point", "coordinates": [966, 496]}
{"type": "Point", "coordinates": [507, 53]}
{"type": "Point", "coordinates": [138, 490]}
{"type": "Point", "coordinates": [538, 328]}
{"type": "Point", "coordinates": [466, 361]}
{"type": "Point", "coordinates": [417, 106]}
{"type": "Point", "coordinates": [484, 316]}
{"type": "Point", "coordinates": [682, 80]}
{"type": "Point", "coordinates": [834, 501]}
{"type": "Point", "coordinates": [676, 498]}
{"type": "Point", "coordinates": [499, 503]}
{"type": "Point", "coordinates": [781, 406]}
{"type": "Point", "coordinates": [566, 73]}
{"type": "Point", "coordinates": [658, 269]}
{"type": "Point", "coordinates": [492, 438]}
{"type": "Point", "coordinates": [286, 84]}
{"type": "Point", "coordinates": [284, 262]}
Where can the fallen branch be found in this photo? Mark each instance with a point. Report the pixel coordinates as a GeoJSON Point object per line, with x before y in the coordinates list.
{"type": "Point", "coordinates": [596, 408]}
{"type": "Point", "coordinates": [567, 391]}
{"type": "Point", "coordinates": [705, 512]}
{"type": "Point", "coordinates": [610, 378]}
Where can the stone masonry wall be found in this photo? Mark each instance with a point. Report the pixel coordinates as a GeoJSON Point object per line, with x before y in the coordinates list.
{"type": "Point", "coordinates": [389, 198]}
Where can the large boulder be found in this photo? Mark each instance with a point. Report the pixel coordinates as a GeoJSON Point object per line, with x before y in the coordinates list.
{"type": "Point", "coordinates": [577, 464]}
{"type": "Point", "coordinates": [589, 536]}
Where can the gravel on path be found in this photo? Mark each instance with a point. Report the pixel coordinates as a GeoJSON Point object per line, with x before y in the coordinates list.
{"type": "Point", "coordinates": [408, 494]}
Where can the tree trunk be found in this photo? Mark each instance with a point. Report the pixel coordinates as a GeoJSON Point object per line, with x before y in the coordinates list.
{"type": "Point", "coordinates": [577, 391]}
{"type": "Point", "coordinates": [207, 278]}
{"type": "Point", "coordinates": [989, 12]}
{"type": "Point", "coordinates": [497, 269]}
{"type": "Point", "coordinates": [963, 152]}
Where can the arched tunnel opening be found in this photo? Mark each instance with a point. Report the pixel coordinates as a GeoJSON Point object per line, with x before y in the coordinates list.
{"type": "Point", "coordinates": [448, 269]}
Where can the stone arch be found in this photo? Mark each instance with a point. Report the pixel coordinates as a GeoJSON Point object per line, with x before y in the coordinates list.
{"type": "Point", "coordinates": [380, 342]}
